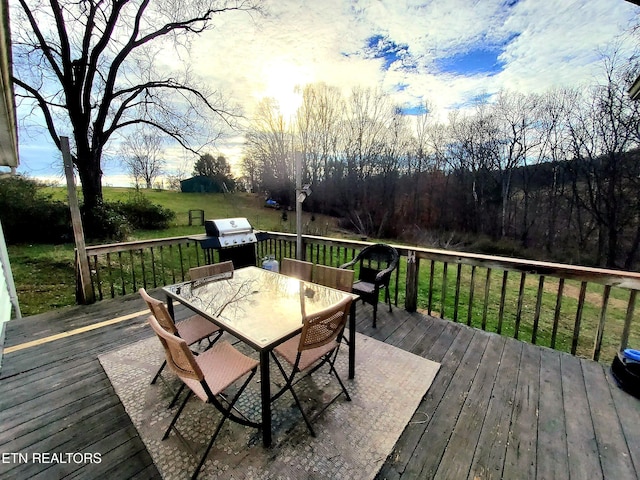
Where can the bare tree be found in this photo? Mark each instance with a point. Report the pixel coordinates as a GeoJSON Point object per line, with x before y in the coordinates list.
{"type": "Point", "coordinates": [318, 125]}
{"type": "Point", "coordinates": [178, 173]}
{"type": "Point", "coordinates": [143, 155]}
{"type": "Point", "coordinates": [517, 136]}
{"type": "Point", "coordinates": [88, 67]}
{"type": "Point", "coordinates": [606, 180]}
{"type": "Point", "coordinates": [270, 145]}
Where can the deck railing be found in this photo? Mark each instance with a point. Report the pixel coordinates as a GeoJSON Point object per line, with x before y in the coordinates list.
{"type": "Point", "coordinates": [588, 312]}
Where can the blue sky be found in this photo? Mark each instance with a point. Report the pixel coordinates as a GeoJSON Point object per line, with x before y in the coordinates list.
{"type": "Point", "coordinates": [448, 52]}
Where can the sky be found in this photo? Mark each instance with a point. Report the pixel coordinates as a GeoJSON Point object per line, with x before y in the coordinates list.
{"type": "Point", "coordinates": [447, 52]}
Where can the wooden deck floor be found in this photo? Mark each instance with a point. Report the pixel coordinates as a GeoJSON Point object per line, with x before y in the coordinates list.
{"type": "Point", "coordinates": [498, 408]}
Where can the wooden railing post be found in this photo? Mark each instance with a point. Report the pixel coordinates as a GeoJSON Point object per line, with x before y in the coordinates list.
{"type": "Point", "coordinates": [411, 289]}
{"type": "Point", "coordinates": [84, 287]}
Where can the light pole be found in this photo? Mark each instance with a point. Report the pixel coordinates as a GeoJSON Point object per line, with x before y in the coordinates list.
{"type": "Point", "coordinates": [302, 192]}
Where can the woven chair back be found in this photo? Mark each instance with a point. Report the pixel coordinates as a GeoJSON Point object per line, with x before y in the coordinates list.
{"type": "Point", "coordinates": [210, 270]}
{"type": "Point", "coordinates": [337, 278]}
{"type": "Point", "coordinates": [179, 358]}
{"type": "Point", "coordinates": [159, 311]}
{"type": "Point", "coordinates": [324, 326]}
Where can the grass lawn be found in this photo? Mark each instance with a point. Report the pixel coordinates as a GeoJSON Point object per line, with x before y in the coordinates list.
{"type": "Point", "coordinates": [44, 274]}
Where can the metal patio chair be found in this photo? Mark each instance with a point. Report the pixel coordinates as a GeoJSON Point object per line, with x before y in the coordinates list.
{"type": "Point", "coordinates": [207, 376]}
{"type": "Point", "coordinates": [192, 330]}
{"type": "Point", "coordinates": [316, 345]}
{"type": "Point", "coordinates": [296, 269]}
{"type": "Point", "coordinates": [376, 262]}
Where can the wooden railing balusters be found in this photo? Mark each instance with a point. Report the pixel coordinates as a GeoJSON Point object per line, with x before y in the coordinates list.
{"type": "Point", "coordinates": [173, 270]}
{"type": "Point", "coordinates": [576, 327]}
{"type": "Point", "coordinates": [624, 339]}
{"type": "Point", "coordinates": [471, 291]}
{"type": "Point", "coordinates": [487, 287]}
{"type": "Point", "coordinates": [335, 252]}
{"type": "Point", "coordinates": [144, 277]}
{"type": "Point", "coordinates": [153, 269]}
{"type": "Point", "coordinates": [536, 315]}
{"type": "Point", "coordinates": [443, 298]}
{"type": "Point", "coordinates": [181, 262]}
{"type": "Point", "coordinates": [98, 281]}
{"type": "Point", "coordinates": [523, 277]}
{"type": "Point", "coordinates": [597, 346]}
{"type": "Point", "coordinates": [556, 314]}
{"type": "Point", "coordinates": [503, 295]}
{"type": "Point", "coordinates": [430, 296]}
{"type": "Point", "coordinates": [121, 272]}
{"type": "Point", "coordinates": [133, 270]}
{"type": "Point", "coordinates": [457, 299]}
{"type": "Point", "coordinates": [109, 271]}
{"type": "Point", "coordinates": [164, 280]}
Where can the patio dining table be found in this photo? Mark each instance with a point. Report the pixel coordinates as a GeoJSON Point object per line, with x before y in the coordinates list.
{"type": "Point", "coordinates": [262, 309]}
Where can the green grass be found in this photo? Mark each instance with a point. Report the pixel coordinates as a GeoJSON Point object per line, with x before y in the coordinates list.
{"type": "Point", "coordinates": [44, 274]}
{"type": "Point", "coordinates": [616, 310]}
{"type": "Point", "coordinates": [215, 205]}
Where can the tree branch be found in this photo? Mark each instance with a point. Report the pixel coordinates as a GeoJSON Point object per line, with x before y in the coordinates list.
{"type": "Point", "coordinates": [44, 106]}
{"type": "Point", "coordinates": [46, 50]}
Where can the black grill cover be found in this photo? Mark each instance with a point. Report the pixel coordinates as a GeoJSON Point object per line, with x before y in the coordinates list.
{"type": "Point", "coordinates": [626, 372]}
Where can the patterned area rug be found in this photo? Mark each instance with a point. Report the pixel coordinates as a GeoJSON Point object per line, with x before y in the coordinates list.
{"type": "Point", "coordinates": [353, 438]}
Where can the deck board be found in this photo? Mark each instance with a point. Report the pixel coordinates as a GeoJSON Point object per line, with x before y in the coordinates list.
{"type": "Point", "coordinates": [520, 460]}
{"type": "Point", "coordinates": [498, 408]}
{"type": "Point", "coordinates": [488, 459]}
{"type": "Point", "coordinates": [459, 453]}
{"type": "Point", "coordinates": [551, 455]}
{"type": "Point", "coordinates": [582, 448]}
{"type": "Point", "coordinates": [609, 435]}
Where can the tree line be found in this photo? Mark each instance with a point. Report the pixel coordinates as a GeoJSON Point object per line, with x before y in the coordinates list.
{"type": "Point", "coordinates": [556, 172]}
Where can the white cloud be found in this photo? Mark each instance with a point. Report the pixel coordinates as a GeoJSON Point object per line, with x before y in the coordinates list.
{"type": "Point", "coordinates": [549, 44]}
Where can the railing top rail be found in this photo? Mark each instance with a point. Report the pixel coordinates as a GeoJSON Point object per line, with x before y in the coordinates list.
{"type": "Point", "coordinates": [136, 245]}
{"type": "Point", "coordinates": [620, 278]}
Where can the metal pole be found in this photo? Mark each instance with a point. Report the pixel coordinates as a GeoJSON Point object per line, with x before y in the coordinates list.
{"type": "Point", "coordinates": [298, 160]}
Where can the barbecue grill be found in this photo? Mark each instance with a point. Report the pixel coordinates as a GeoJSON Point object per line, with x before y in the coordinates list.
{"type": "Point", "coordinates": [232, 238]}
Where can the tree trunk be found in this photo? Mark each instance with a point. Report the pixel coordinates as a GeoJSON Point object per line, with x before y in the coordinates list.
{"type": "Point", "coordinates": [90, 175]}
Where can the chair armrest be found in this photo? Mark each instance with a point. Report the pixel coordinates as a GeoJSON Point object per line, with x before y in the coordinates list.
{"type": "Point", "coordinates": [349, 264]}
{"type": "Point", "coordinates": [380, 277]}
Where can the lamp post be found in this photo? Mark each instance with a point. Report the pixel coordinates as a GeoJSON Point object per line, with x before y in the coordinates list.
{"type": "Point", "coordinates": [289, 105]}
{"type": "Point", "coordinates": [298, 161]}
{"type": "Point", "coordinates": [302, 192]}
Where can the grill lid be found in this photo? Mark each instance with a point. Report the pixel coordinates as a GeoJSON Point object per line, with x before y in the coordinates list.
{"type": "Point", "coordinates": [230, 231]}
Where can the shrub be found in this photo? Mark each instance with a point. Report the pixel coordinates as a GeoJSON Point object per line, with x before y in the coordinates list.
{"type": "Point", "coordinates": [502, 247]}
{"type": "Point", "coordinates": [30, 216]}
{"type": "Point", "coordinates": [109, 223]}
{"type": "Point", "coordinates": [143, 214]}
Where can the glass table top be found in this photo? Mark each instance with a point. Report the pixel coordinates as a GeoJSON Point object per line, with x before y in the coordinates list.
{"type": "Point", "coordinates": [256, 305]}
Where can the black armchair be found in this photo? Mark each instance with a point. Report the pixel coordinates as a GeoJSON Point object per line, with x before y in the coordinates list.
{"type": "Point", "coordinates": [377, 262]}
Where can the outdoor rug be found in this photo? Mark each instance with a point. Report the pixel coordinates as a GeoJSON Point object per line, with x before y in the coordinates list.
{"type": "Point", "coordinates": [353, 438]}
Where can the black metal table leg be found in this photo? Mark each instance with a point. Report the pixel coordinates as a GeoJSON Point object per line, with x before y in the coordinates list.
{"type": "Point", "coordinates": [352, 340]}
{"type": "Point", "coordinates": [265, 389]}
{"type": "Point", "coordinates": [170, 307]}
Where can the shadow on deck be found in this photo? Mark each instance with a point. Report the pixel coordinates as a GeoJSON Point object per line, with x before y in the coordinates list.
{"type": "Point", "coordinates": [498, 408]}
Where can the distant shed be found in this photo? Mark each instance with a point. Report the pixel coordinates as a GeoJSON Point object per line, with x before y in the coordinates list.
{"type": "Point", "coordinates": [199, 184]}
